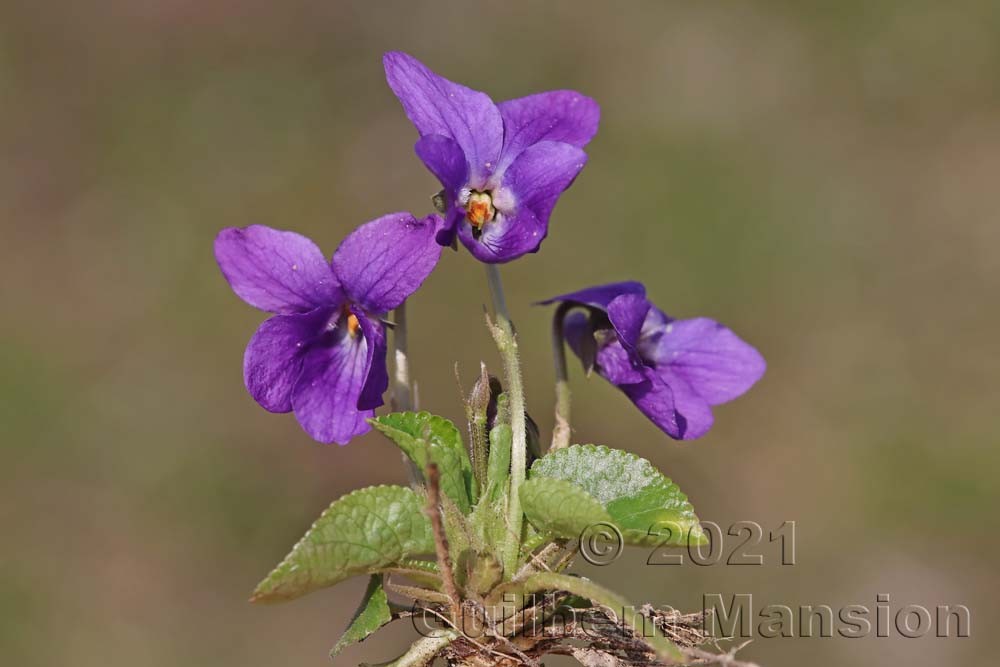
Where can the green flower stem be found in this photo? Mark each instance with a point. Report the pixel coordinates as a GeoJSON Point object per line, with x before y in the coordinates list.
{"type": "Point", "coordinates": [506, 341]}
{"type": "Point", "coordinates": [402, 394]}
{"type": "Point", "coordinates": [561, 430]}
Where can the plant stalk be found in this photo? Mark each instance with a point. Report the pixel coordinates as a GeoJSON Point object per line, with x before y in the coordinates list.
{"type": "Point", "coordinates": [561, 430]}
{"type": "Point", "coordinates": [506, 341]}
{"type": "Point", "coordinates": [441, 547]}
{"type": "Point", "coordinates": [402, 394]}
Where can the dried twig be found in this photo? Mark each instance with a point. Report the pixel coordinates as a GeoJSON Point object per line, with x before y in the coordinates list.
{"type": "Point", "coordinates": [433, 477]}
{"type": "Point", "coordinates": [727, 659]}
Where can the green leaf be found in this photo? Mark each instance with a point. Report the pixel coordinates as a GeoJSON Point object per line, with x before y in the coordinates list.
{"type": "Point", "coordinates": [498, 468]}
{"type": "Point", "coordinates": [373, 613]}
{"type": "Point", "coordinates": [648, 508]}
{"type": "Point", "coordinates": [361, 533]}
{"type": "Point", "coordinates": [418, 433]}
{"type": "Point", "coordinates": [561, 508]}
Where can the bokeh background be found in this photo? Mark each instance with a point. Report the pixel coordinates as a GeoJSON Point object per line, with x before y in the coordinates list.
{"type": "Point", "coordinates": [822, 179]}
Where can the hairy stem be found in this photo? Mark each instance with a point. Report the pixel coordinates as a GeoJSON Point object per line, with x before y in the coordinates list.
{"type": "Point", "coordinates": [561, 430]}
{"type": "Point", "coordinates": [506, 341]}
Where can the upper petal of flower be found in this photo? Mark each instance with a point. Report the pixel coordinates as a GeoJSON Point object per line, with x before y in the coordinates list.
{"type": "Point", "coordinates": [436, 105]}
{"type": "Point", "coordinates": [272, 362]}
{"type": "Point", "coordinates": [377, 380]}
{"type": "Point", "coordinates": [558, 115]}
{"type": "Point", "coordinates": [601, 295]}
{"type": "Point", "coordinates": [277, 271]}
{"type": "Point", "coordinates": [445, 159]}
{"type": "Point", "coordinates": [714, 361]}
{"type": "Point", "coordinates": [540, 174]}
{"type": "Point", "coordinates": [670, 403]}
{"type": "Point", "coordinates": [384, 261]}
{"type": "Point", "coordinates": [325, 398]}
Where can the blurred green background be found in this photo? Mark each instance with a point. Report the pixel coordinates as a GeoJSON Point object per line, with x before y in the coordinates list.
{"type": "Point", "coordinates": [823, 180]}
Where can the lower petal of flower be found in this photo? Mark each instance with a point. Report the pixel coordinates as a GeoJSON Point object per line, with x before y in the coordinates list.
{"type": "Point", "coordinates": [670, 403]}
{"type": "Point", "coordinates": [325, 398]}
{"type": "Point", "coordinates": [506, 238]}
{"type": "Point", "coordinates": [712, 360]}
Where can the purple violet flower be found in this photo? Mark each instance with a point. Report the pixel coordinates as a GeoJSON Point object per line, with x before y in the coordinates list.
{"type": "Point", "coordinates": [673, 370]}
{"type": "Point", "coordinates": [503, 166]}
{"type": "Point", "coordinates": [322, 355]}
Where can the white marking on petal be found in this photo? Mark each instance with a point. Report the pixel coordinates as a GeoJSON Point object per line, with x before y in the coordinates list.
{"type": "Point", "coordinates": [504, 200]}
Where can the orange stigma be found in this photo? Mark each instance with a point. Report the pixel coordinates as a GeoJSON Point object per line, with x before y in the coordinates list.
{"type": "Point", "coordinates": [480, 209]}
{"type": "Point", "coordinates": [352, 320]}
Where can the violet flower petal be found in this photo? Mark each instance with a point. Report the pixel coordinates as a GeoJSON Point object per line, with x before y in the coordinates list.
{"type": "Point", "coordinates": [540, 174]}
{"type": "Point", "coordinates": [558, 115]}
{"type": "Point", "coordinates": [617, 366]}
{"type": "Point", "coordinates": [448, 228]}
{"type": "Point", "coordinates": [377, 380]}
{"type": "Point", "coordinates": [277, 271]}
{"type": "Point", "coordinates": [576, 325]}
{"type": "Point", "coordinates": [436, 105]}
{"type": "Point", "coordinates": [445, 159]}
{"type": "Point", "coordinates": [534, 182]}
{"type": "Point", "coordinates": [384, 261]}
{"type": "Point", "coordinates": [273, 358]}
{"type": "Point", "coordinates": [506, 238]}
{"type": "Point", "coordinates": [600, 296]}
{"type": "Point", "coordinates": [325, 398]}
{"type": "Point", "coordinates": [627, 313]}
{"type": "Point", "coordinates": [671, 404]}
{"type": "Point", "coordinates": [712, 359]}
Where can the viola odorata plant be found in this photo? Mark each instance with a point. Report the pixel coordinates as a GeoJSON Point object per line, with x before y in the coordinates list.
{"type": "Point", "coordinates": [482, 540]}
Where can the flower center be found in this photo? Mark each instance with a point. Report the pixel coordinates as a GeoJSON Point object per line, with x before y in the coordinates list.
{"type": "Point", "coordinates": [479, 209]}
{"type": "Point", "coordinates": [352, 320]}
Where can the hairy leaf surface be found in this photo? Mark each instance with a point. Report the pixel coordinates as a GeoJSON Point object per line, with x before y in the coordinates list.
{"type": "Point", "coordinates": [361, 533]}
{"type": "Point", "coordinates": [420, 434]}
{"type": "Point", "coordinates": [647, 507]}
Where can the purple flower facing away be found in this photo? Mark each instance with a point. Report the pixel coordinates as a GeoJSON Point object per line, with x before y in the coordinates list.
{"type": "Point", "coordinates": [673, 370]}
{"type": "Point", "coordinates": [322, 354]}
{"type": "Point", "coordinates": [503, 166]}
